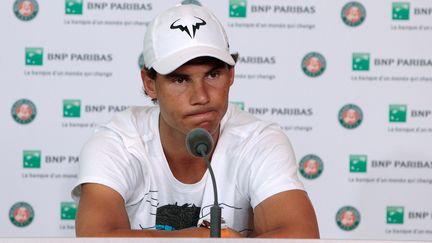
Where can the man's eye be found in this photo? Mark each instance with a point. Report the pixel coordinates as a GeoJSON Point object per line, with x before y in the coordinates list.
{"type": "Point", "coordinates": [213, 75]}
{"type": "Point", "coordinates": [179, 80]}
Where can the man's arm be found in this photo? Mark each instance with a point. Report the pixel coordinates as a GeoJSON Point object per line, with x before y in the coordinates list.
{"type": "Point", "coordinates": [288, 214]}
{"type": "Point", "coordinates": [101, 213]}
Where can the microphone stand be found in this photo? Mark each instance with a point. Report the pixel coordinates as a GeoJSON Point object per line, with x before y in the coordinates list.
{"type": "Point", "coordinates": [215, 210]}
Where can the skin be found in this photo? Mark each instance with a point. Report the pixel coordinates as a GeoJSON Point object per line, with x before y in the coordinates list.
{"type": "Point", "coordinates": [194, 95]}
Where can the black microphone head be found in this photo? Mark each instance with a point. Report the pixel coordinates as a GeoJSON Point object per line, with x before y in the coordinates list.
{"type": "Point", "coordinates": [199, 142]}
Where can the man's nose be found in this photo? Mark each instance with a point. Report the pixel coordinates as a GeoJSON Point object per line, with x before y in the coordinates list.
{"type": "Point", "coordinates": [199, 93]}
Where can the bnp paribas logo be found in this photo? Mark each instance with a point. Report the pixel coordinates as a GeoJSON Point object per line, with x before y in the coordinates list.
{"type": "Point", "coordinates": [31, 158]}
{"type": "Point", "coordinates": [397, 113]}
{"type": "Point", "coordinates": [353, 14]}
{"type": "Point", "coordinates": [313, 64]}
{"type": "Point", "coordinates": [358, 163]}
{"type": "Point", "coordinates": [360, 61]}
{"type": "Point", "coordinates": [26, 10]}
{"type": "Point", "coordinates": [23, 111]}
{"type": "Point", "coordinates": [350, 116]}
{"type": "Point", "coordinates": [401, 11]}
{"type": "Point", "coordinates": [239, 104]}
{"type": "Point", "coordinates": [72, 108]}
{"type": "Point", "coordinates": [395, 215]}
{"type": "Point", "coordinates": [34, 56]}
{"type": "Point", "coordinates": [68, 210]}
{"type": "Point", "coordinates": [311, 166]}
{"type": "Point", "coordinates": [21, 214]}
{"type": "Point", "coordinates": [74, 7]}
{"type": "Point", "coordinates": [348, 218]}
{"type": "Point", "coordinates": [237, 8]}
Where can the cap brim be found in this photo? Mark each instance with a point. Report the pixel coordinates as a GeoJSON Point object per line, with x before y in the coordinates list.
{"type": "Point", "coordinates": [170, 63]}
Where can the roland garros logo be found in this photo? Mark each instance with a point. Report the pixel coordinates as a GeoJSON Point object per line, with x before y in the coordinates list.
{"type": "Point", "coordinates": [311, 166]}
{"type": "Point", "coordinates": [21, 214]}
{"type": "Point", "coordinates": [350, 116]}
{"type": "Point", "coordinates": [353, 14]}
{"type": "Point", "coordinates": [23, 111]}
{"type": "Point", "coordinates": [26, 10]}
{"type": "Point", "coordinates": [348, 218]}
{"type": "Point", "coordinates": [313, 64]}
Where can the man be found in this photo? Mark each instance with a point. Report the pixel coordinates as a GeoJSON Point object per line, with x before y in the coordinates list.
{"type": "Point", "coordinates": [137, 177]}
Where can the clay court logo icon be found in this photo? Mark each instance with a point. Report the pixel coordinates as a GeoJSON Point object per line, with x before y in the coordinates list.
{"type": "Point", "coordinates": [23, 111]}
{"type": "Point", "coordinates": [353, 14]}
{"type": "Point", "coordinates": [21, 214]}
{"type": "Point", "coordinates": [26, 10]}
{"type": "Point", "coordinates": [237, 8]}
{"type": "Point", "coordinates": [348, 218]}
{"type": "Point", "coordinates": [311, 166]}
{"type": "Point", "coordinates": [313, 64]}
{"type": "Point", "coordinates": [395, 215]}
{"type": "Point", "coordinates": [350, 116]}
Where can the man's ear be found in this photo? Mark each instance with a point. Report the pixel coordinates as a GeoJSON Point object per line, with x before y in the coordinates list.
{"type": "Point", "coordinates": [148, 84]}
{"type": "Point", "coordinates": [231, 75]}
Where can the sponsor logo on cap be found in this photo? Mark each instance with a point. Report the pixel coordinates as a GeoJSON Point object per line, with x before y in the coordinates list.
{"type": "Point", "coordinates": [21, 214]}
{"type": "Point", "coordinates": [188, 25]}
{"type": "Point", "coordinates": [348, 218]}
{"type": "Point", "coordinates": [350, 116]}
{"type": "Point", "coordinates": [23, 111]}
{"type": "Point", "coordinates": [313, 64]}
{"type": "Point", "coordinates": [353, 14]}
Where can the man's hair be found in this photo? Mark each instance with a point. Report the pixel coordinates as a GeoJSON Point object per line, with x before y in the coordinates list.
{"type": "Point", "coordinates": [152, 74]}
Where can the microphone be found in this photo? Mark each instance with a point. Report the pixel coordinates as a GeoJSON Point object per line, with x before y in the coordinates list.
{"type": "Point", "coordinates": [199, 143]}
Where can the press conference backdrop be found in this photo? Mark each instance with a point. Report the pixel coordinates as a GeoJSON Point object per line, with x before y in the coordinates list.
{"type": "Point", "coordinates": [349, 82]}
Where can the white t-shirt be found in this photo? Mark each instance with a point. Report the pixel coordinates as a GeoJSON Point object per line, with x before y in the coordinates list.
{"type": "Point", "coordinates": [253, 160]}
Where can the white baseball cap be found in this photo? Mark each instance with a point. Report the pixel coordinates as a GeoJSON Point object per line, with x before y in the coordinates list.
{"type": "Point", "coordinates": [181, 34]}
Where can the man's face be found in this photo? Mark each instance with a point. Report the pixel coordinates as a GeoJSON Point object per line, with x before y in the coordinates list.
{"type": "Point", "coordinates": [194, 95]}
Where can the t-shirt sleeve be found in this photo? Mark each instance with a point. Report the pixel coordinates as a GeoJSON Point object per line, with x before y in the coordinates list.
{"type": "Point", "coordinates": [104, 160]}
{"type": "Point", "coordinates": [273, 166]}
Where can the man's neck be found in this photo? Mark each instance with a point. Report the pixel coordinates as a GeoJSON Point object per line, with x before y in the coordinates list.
{"type": "Point", "coordinates": [185, 167]}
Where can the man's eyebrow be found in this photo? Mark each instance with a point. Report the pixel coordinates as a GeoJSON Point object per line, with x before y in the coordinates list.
{"type": "Point", "coordinates": [175, 74]}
